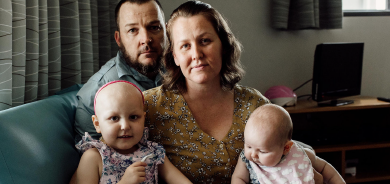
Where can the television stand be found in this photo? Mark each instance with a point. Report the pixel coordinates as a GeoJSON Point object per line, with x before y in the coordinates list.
{"type": "Point", "coordinates": [356, 134]}
{"type": "Point", "coordinates": [334, 103]}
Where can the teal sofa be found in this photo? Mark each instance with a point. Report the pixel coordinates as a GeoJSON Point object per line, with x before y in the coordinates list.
{"type": "Point", "coordinates": [37, 141]}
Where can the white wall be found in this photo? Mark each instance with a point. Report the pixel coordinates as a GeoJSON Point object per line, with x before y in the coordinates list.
{"type": "Point", "coordinates": [273, 57]}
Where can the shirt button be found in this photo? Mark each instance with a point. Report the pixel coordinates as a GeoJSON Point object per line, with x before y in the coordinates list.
{"type": "Point", "coordinates": [221, 146]}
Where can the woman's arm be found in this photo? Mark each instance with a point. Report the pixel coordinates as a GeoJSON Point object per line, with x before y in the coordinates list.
{"type": "Point", "coordinates": [171, 174]}
{"type": "Point", "coordinates": [89, 168]}
{"type": "Point", "coordinates": [328, 171]}
{"type": "Point", "coordinates": [318, 178]}
{"type": "Point", "coordinates": [241, 173]}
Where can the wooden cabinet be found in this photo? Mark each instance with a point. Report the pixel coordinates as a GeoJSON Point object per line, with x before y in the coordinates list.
{"type": "Point", "coordinates": [358, 132]}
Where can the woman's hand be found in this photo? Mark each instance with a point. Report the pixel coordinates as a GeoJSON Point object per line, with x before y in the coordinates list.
{"type": "Point", "coordinates": [135, 173]}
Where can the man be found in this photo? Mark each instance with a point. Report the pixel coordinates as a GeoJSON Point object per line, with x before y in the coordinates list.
{"type": "Point", "coordinates": [140, 36]}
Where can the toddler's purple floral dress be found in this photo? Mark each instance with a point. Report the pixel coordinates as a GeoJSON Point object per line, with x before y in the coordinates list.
{"type": "Point", "coordinates": [115, 164]}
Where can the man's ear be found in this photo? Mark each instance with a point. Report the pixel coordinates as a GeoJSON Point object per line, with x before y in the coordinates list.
{"type": "Point", "coordinates": [287, 147]}
{"type": "Point", "coordinates": [95, 122]}
{"type": "Point", "coordinates": [117, 38]}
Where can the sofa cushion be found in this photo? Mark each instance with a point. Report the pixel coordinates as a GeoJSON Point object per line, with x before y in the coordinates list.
{"type": "Point", "coordinates": [37, 141]}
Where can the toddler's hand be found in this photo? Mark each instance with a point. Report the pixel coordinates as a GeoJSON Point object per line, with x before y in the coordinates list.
{"type": "Point", "coordinates": [135, 173]}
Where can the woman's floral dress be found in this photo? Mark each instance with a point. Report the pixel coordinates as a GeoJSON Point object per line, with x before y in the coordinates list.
{"type": "Point", "coordinates": [199, 156]}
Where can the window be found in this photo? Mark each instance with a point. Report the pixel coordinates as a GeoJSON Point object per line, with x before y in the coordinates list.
{"type": "Point", "coordinates": [366, 7]}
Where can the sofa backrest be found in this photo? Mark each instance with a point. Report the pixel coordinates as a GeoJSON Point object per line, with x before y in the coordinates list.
{"type": "Point", "coordinates": [37, 141]}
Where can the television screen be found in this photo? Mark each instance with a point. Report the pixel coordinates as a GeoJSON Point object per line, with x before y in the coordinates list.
{"type": "Point", "coordinates": [337, 71]}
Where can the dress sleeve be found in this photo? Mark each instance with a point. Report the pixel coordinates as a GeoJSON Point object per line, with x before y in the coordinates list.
{"type": "Point", "coordinates": [155, 148]}
{"type": "Point", "coordinates": [252, 174]}
{"type": "Point", "coordinates": [248, 99]}
{"type": "Point", "coordinates": [87, 142]}
{"type": "Point", "coordinates": [242, 156]}
{"type": "Point", "coordinates": [153, 113]}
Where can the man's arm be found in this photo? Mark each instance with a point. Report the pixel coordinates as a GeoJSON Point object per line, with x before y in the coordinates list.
{"type": "Point", "coordinates": [82, 121]}
{"type": "Point", "coordinates": [84, 111]}
{"type": "Point", "coordinates": [328, 171]}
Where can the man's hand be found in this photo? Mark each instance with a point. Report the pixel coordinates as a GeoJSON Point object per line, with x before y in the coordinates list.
{"type": "Point", "coordinates": [135, 173]}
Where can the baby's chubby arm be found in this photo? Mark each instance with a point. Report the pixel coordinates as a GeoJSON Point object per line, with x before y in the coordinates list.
{"type": "Point", "coordinates": [170, 174]}
{"type": "Point", "coordinates": [89, 168]}
{"type": "Point", "coordinates": [328, 171]}
{"type": "Point", "coordinates": [241, 173]}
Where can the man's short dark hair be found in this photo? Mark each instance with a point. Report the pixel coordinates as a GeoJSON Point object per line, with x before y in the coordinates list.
{"type": "Point", "coordinates": [139, 2]}
{"type": "Point", "coordinates": [231, 71]}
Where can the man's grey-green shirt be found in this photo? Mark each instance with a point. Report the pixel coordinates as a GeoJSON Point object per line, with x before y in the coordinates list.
{"type": "Point", "coordinates": [115, 69]}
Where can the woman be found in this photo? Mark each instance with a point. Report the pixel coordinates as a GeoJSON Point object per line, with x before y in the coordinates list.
{"type": "Point", "coordinates": [199, 113]}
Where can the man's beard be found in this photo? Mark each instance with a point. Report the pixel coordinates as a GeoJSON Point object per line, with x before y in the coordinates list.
{"type": "Point", "coordinates": [141, 68]}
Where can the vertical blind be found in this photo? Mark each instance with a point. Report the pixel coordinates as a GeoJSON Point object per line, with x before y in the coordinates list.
{"type": "Point", "coordinates": [307, 14]}
{"type": "Point", "coordinates": [49, 45]}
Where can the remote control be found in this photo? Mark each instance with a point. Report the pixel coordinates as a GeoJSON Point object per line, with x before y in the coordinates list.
{"type": "Point", "coordinates": [384, 99]}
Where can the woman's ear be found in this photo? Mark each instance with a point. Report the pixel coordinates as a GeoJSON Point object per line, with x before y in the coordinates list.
{"type": "Point", "coordinates": [287, 147]}
{"type": "Point", "coordinates": [95, 122]}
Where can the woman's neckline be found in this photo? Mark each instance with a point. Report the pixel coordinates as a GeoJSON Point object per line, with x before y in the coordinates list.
{"type": "Point", "coordinates": [234, 114]}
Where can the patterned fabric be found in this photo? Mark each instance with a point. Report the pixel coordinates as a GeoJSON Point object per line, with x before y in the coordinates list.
{"type": "Point", "coordinates": [115, 164]}
{"type": "Point", "coordinates": [294, 168]}
{"type": "Point", "coordinates": [114, 69]}
{"type": "Point", "coordinates": [49, 45]}
{"type": "Point", "coordinates": [200, 157]}
{"type": "Point", "coordinates": [252, 174]}
{"type": "Point", "coordinates": [6, 18]}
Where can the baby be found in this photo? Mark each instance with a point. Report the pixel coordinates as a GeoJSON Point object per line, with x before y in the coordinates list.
{"type": "Point", "coordinates": [118, 157]}
{"type": "Point", "coordinates": [271, 156]}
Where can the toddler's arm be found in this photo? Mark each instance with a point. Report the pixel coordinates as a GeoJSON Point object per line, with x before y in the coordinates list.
{"type": "Point", "coordinates": [89, 168]}
{"type": "Point", "coordinates": [328, 171]}
{"type": "Point", "coordinates": [241, 173]}
{"type": "Point", "coordinates": [171, 174]}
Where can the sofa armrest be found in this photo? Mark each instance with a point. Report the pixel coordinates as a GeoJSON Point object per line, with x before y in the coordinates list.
{"type": "Point", "coordinates": [37, 141]}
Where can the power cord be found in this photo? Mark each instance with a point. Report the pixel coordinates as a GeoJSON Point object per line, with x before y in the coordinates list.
{"type": "Point", "coordinates": [300, 96]}
{"type": "Point", "coordinates": [308, 95]}
{"type": "Point", "coordinates": [303, 84]}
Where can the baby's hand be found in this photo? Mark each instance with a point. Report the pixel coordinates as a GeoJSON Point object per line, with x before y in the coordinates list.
{"type": "Point", "coordinates": [135, 173]}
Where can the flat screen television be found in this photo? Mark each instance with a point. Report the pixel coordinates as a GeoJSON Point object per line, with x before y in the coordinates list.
{"type": "Point", "coordinates": [337, 72]}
